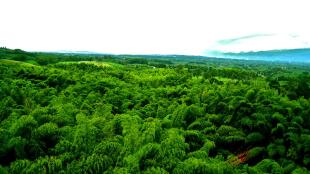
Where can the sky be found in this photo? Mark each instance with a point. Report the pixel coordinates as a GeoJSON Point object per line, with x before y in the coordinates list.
{"type": "Point", "coordinates": [192, 27]}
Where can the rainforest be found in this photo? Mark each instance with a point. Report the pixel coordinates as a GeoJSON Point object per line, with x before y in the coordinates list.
{"type": "Point", "coordinates": [92, 113]}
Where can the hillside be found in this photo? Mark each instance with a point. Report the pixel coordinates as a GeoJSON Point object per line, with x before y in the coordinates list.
{"type": "Point", "coordinates": [290, 55]}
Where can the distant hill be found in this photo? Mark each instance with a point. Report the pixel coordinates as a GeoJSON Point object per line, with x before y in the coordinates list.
{"type": "Point", "coordinates": [285, 56]}
{"type": "Point", "coordinates": [289, 55]}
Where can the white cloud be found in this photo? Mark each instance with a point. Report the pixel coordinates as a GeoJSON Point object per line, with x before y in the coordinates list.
{"type": "Point", "coordinates": [151, 26]}
{"type": "Point", "coordinates": [263, 42]}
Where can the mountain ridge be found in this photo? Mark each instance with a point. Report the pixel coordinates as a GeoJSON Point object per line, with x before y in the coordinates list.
{"type": "Point", "coordinates": [299, 55]}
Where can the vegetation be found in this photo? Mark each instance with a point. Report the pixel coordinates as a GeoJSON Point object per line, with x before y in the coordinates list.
{"type": "Point", "coordinates": [71, 113]}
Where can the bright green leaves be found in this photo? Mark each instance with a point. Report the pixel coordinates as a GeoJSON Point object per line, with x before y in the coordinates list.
{"type": "Point", "coordinates": [24, 126]}
{"type": "Point", "coordinates": [194, 139]}
{"type": "Point", "coordinates": [86, 135]}
{"type": "Point", "coordinates": [48, 135]}
{"type": "Point", "coordinates": [152, 131]}
{"type": "Point", "coordinates": [269, 166]}
{"type": "Point", "coordinates": [95, 163]}
{"type": "Point", "coordinates": [173, 149]}
{"type": "Point", "coordinates": [111, 149]}
{"type": "Point", "coordinates": [200, 166]}
{"type": "Point", "coordinates": [184, 115]}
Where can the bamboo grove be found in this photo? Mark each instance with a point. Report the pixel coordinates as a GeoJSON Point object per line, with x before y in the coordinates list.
{"type": "Point", "coordinates": [109, 114]}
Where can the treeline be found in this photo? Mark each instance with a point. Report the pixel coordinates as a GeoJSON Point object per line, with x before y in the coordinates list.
{"type": "Point", "coordinates": [115, 116]}
{"type": "Point", "coordinates": [41, 58]}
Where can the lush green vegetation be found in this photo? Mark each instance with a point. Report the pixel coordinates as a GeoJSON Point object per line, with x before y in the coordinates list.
{"type": "Point", "coordinates": [67, 113]}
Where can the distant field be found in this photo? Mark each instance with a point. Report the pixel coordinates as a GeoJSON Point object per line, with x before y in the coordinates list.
{"type": "Point", "coordinates": [101, 64]}
{"type": "Point", "coordinates": [13, 62]}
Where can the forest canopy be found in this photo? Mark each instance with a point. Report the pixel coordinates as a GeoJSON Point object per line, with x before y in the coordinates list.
{"type": "Point", "coordinates": [75, 113]}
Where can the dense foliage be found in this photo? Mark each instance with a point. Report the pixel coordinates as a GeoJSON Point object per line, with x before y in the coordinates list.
{"type": "Point", "coordinates": [116, 114]}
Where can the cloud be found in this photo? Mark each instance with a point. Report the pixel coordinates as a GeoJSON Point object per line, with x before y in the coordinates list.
{"type": "Point", "coordinates": [238, 39]}
{"type": "Point", "coordinates": [258, 42]}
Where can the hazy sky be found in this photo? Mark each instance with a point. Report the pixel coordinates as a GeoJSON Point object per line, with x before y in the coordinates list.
{"type": "Point", "coordinates": [154, 26]}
